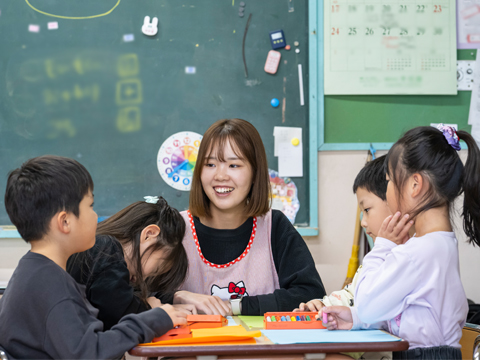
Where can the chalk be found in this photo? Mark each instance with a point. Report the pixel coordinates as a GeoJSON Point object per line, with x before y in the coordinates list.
{"type": "Point", "coordinates": [273, 319]}
{"type": "Point", "coordinates": [293, 318]}
{"type": "Point", "coordinates": [325, 318]}
{"type": "Point", "coordinates": [298, 318]}
{"type": "Point", "coordinates": [268, 319]}
{"type": "Point", "coordinates": [300, 84]}
{"type": "Point", "coordinates": [308, 318]}
{"type": "Point", "coordinates": [283, 318]}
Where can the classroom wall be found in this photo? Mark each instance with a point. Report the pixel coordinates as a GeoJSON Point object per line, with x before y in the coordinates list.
{"type": "Point", "coordinates": [337, 210]}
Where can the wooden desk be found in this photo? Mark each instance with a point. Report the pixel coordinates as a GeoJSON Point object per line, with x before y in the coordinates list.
{"type": "Point", "coordinates": [265, 347]}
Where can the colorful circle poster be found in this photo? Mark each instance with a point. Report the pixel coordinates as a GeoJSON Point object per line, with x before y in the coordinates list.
{"type": "Point", "coordinates": [177, 157]}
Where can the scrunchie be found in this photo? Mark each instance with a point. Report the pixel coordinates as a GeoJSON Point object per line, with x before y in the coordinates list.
{"type": "Point", "coordinates": [451, 136]}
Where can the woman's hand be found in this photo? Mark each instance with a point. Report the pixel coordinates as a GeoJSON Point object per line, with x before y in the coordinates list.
{"type": "Point", "coordinates": [154, 302]}
{"type": "Point", "coordinates": [206, 304]}
{"type": "Point", "coordinates": [190, 309]}
{"type": "Point", "coordinates": [396, 229]}
{"type": "Point", "coordinates": [178, 317]}
{"type": "Point", "coordinates": [339, 317]}
{"type": "Point", "coordinates": [312, 305]}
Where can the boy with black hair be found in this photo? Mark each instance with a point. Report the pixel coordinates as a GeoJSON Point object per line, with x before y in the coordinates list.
{"type": "Point", "coordinates": [44, 313]}
{"type": "Point", "coordinates": [370, 187]}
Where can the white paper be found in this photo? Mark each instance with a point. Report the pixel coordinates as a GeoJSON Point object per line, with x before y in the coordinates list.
{"type": "Point", "coordinates": [128, 38]}
{"type": "Point", "coordinates": [476, 133]}
{"type": "Point", "coordinates": [468, 24]}
{"type": "Point", "coordinates": [284, 134]}
{"type": "Point", "coordinates": [290, 160]}
{"type": "Point", "coordinates": [474, 114]}
{"type": "Point", "coordinates": [34, 28]}
{"type": "Point", "coordinates": [53, 25]}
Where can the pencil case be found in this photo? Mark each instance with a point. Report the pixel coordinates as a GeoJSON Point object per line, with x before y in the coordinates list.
{"type": "Point", "coordinates": [206, 321]}
{"type": "Point", "coordinates": [291, 320]}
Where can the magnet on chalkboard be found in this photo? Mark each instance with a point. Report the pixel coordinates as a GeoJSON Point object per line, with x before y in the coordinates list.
{"type": "Point", "coordinates": [274, 102]}
{"type": "Point", "coordinates": [150, 28]}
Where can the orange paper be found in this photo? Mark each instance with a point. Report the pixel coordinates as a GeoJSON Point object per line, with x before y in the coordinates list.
{"type": "Point", "coordinates": [206, 321]}
{"type": "Point", "coordinates": [199, 336]}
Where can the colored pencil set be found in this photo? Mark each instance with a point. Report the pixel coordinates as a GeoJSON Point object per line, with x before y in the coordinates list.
{"type": "Point", "coordinates": [291, 320]}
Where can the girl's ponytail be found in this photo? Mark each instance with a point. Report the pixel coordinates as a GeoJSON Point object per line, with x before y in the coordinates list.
{"type": "Point", "coordinates": [471, 189]}
{"type": "Point", "coordinates": [170, 222]}
{"type": "Point", "coordinates": [175, 267]}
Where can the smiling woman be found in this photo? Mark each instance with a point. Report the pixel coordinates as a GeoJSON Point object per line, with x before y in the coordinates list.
{"type": "Point", "coordinates": [243, 257]}
{"type": "Point", "coordinates": [73, 11]}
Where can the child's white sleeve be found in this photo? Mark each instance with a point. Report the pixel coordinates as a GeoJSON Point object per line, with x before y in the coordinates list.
{"type": "Point", "coordinates": [359, 325]}
{"type": "Point", "coordinates": [338, 298]}
{"type": "Point", "coordinates": [345, 296]}
{"type": "Point", "coordinates": [389, 274]}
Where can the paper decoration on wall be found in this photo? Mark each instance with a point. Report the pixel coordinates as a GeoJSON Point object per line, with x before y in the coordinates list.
{"type": "Point", "coordinates": [284, 195]}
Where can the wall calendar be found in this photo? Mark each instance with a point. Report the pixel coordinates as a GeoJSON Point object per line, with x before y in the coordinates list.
{"type": "Point", "coordinates": [390, 47]}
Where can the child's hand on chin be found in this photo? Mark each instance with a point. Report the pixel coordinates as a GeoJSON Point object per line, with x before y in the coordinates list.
{"type": "Point", "coordinates": [339, 317]}
{"type": "Point", "coordinates": [395, 228]}
{"type": "Point", "coordinates": [178, 317]}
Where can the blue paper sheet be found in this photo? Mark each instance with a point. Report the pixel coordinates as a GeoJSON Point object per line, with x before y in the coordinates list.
{"type": "Point", "coordinates": [326, 336]}
{"type": "Point", "coordinates": [231, 322]}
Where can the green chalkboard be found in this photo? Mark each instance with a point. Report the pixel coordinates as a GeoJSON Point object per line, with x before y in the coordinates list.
{"type": "Point", "coordinates": [85, 91]}
{"type": "Point", "coordinates": [383, 119]}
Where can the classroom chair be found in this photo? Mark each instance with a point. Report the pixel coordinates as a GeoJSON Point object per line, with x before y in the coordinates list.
{"type": "Point", "coordinates": [470, 341]}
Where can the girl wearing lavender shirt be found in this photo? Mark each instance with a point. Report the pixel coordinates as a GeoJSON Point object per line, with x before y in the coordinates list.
{"type": "Point", "coordinates": [412, 286]}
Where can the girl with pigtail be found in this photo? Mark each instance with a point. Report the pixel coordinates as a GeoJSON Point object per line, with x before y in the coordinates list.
{"type": "Point", "coordinates": [411, 286]}
{"type": "Point", "coordinates": [138, 253]}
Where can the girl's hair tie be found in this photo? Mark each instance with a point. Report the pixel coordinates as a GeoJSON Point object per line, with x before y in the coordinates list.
{"type": "Point", "coordinates": [151, 199]}
{"type": "Point", "coordinates": [451, 136]}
